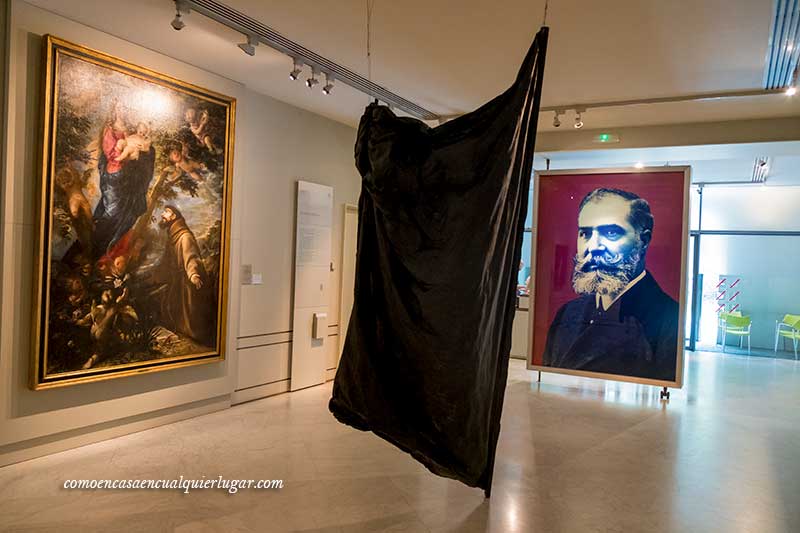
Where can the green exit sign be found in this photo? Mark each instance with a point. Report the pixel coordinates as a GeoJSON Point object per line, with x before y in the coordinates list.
{"type": "Point", "coordinates": [606, 138]}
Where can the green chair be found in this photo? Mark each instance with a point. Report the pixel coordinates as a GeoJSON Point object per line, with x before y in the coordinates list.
{"type": "Point", "coordinates": [721, 321]}
{"type": "Point", "coordinates": [788, 328]}
{"type": "Point", "coordinates": [735, 325]}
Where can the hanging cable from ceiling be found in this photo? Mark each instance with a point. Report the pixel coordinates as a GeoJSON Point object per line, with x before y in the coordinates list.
{"type": "Point", "coordinates": [544, 18]}
{"type": "Point", "coordinates": [370, 5]}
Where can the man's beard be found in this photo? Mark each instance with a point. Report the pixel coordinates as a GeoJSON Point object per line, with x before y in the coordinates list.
{"type": "Point", "coordinates": [164, 224]}
{"type": "Point", "coordinates": [610, 275]}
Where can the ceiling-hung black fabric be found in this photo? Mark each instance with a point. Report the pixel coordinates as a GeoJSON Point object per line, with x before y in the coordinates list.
{"type": "Point", "coordinates": [441, 218]}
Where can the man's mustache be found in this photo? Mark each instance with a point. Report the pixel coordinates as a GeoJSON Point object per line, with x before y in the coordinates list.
{"type": "Point", "coordinates": [605, 262]}
{"type": "Point", "coordinates": [604, 273]}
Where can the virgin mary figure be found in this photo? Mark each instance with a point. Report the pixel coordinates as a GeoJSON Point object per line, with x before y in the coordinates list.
{"type": "Point", "coordinates": [123, 183]}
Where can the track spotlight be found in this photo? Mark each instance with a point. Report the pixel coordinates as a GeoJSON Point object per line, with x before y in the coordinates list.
{"type": "Point", "coordinates": [249, 47]}
{"type": "Point", "coordinates": [578, 120]}
{"type": "Point", "coordinates": [328, 84]}
{"type": "Point", "coordinates": [310, 82]}
{"type": "Point", "coordinates": [556, 122]}
{"type": "Point", "coordinates": [177, 23]}
{"type": "Point", "coordinates": [297, 69]}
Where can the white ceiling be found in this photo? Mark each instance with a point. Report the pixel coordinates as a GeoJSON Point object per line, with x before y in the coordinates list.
{"type": "Point", "coordinates": [710, 163]}
{"type": "Point", "coordinates": [453, 55]}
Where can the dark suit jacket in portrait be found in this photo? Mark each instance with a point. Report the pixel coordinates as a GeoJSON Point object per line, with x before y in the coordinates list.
{"type": "Point", "coordinates": [637, 336]}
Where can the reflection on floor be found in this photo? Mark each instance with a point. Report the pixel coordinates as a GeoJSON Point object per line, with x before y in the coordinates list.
{"type": "Point", "coordinates": [780, 353]}
{"type": "Point", "coordinates": [575, 455]}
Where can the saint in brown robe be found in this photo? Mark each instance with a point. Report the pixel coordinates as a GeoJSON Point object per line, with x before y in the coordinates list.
{"type": "Point", "coordinates": [186, 309]}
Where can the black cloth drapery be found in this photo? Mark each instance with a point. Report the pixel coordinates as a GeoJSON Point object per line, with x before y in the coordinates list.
{"type": "Point", "coordinates": [441, 219]}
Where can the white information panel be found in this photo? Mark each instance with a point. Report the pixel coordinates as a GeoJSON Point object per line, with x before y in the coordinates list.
{"type": "Point", "coordinates": [311, 283]}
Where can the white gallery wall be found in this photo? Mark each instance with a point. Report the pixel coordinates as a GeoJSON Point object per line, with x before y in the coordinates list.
{"type": "Point", "coordinates": [275, 145]}
{"type": "Point", "coordinates": [284, 144]}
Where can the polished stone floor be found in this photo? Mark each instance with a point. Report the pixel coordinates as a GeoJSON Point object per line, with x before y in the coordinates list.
{"type": "Point", "coordinates": [723, 454]}
{"type": "Point", "coordinates": [734, 349]}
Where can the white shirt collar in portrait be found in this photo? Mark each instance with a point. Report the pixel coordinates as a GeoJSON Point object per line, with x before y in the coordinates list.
{"type": "Point", "coordinates": [605, 301]}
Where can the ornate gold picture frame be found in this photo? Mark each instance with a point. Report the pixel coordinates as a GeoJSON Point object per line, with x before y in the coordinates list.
{"type": "Point", "coordinates": [133, 243]}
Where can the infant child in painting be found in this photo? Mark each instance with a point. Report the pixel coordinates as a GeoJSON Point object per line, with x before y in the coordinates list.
{"type": "Point", "coordinates": [184, 164]}
{"type": "Point", "coordinates": [130, 146]}
{"type": "Point", "coordinates": [200, 128]}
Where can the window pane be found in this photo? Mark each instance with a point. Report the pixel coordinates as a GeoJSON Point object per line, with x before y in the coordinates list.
{"type": "Point", "coordinates": [526, 258]}
{"type": "Point", "coordinates": [694, 208]}
{"type": "Point", "coordinates": [754, 275]}
{"type": "Point", "coordinates": [751, 208]}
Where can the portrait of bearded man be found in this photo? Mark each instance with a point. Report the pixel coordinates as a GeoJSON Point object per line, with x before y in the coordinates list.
{"type": "Point", "coordinates": [622, 322]}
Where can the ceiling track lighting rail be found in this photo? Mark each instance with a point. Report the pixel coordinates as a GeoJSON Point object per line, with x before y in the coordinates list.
{"type": "Point", "coordinates": [719, 95]}
{"type": "Point", "coordinates": [257, 32]}
{"type": "Point", "coordinates": [736, 183]}
{"type": "Point", "coordinates": [580, 109]}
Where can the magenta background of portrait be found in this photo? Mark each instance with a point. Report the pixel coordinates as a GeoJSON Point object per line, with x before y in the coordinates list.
{"type": "Point", "coordinates": [556, 231]}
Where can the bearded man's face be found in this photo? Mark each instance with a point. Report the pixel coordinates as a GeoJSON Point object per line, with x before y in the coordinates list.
{"type": "Point", "coordinates": [610, 250]}
{"type": "Point", "coordinates": [166, 218]}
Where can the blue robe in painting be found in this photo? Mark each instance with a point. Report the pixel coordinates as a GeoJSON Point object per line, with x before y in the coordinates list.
{"type": "Point", "coordinates": [123, 198]}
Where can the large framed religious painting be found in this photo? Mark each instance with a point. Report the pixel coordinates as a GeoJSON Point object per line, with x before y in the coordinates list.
{"type": "Point", "coordinates": [608, 266]}
{"type": "Point", "coordinates": [133, 241]}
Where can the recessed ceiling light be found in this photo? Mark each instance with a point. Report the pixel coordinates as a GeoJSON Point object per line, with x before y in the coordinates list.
{"type": "Point", "coordinates": [791, 91]}
{"type": "Point", "coordinates": [639, 165]}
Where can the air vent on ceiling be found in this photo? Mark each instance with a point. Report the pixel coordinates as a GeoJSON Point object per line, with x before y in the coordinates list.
{"type": "Point", "coordinates": [760, 170]}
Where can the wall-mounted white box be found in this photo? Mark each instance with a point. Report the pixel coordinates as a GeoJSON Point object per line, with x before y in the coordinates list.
{"type": "Point", "coordinates": [319, 329]}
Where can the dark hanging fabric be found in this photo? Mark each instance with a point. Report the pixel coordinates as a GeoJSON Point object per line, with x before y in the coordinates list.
{"type": "Point", "coordinates": [441, 219]}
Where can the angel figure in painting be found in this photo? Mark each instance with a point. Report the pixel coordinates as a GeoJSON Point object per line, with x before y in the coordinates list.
{"type": "Point", "coordinates": [71, 183]}
{"type": "Point", "coordinates": [201, 129]}
{"type": "Point", "coordinates": [109, 321]}
{"type": "Point", "coordinates": [179, 157]}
